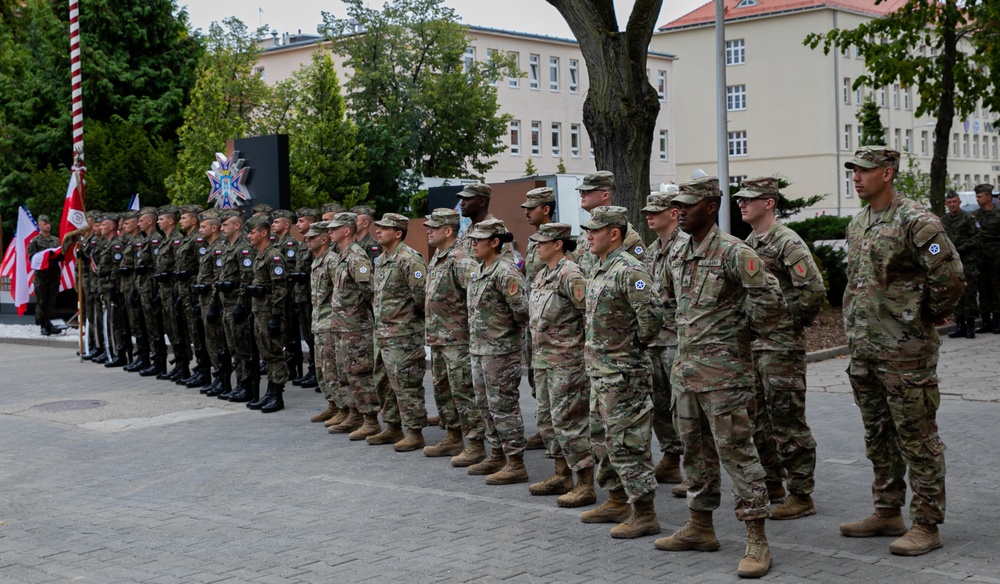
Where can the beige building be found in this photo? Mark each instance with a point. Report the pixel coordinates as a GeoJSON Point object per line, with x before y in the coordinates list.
{"type": "Point", "coordinates": [546, 103]}
{"type": "Point", "coordinates": [792, 110]}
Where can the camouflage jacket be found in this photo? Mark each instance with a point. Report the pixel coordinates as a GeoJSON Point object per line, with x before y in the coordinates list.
{"type": "Point", "coordinates": [447, 282]}
{"type": "Point", "coordinates": [656, 262]}
{"type": "Point", "coordinates": [399, 293]}
{"type": "Point", "coordinates": [721, 294]}
{"type": "Point", "coordinates": [371, 248]}
{"type": "Point", "coordinates": [320, 291]}
{"type": "Point", "coordinates": [624, 315]}
{"type": "Point", "coordinates": [789, 260]}
{"type": "Point", "coordinates": [989, 227]}
{"type": "Point", "coordinates": [300, 292]}
{"type": "Point", "coordinates": [498, 309]}
{"type": "Point", "coordinates": [39, 243]}
{"type": "Point", "coordinates": [270, 271]}
{"type": "Point", "coordinates": [237, 269]}
{"type": "Point", "coordinates": [352, 294]}
{"type": "Point", "coordinates": [164, 259]}
{"type": "Point", "coordinates": [558, 301]}
{"type": "Point", "coordinates": [903, 275]}
{"type": "Point", "coordinates": [964, 235]}
{"type": "Point", "coordinates": [588, 261]}
{"type": "Point", "coordinates": [187, 254]}
{"type": "Point", "coordinates": [210, 266]}
{"type": "Point", "coordinates": [532, 265]}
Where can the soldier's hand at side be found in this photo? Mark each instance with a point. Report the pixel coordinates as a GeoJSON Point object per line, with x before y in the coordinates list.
{"type": "Point", "coordinates": [273, 327]}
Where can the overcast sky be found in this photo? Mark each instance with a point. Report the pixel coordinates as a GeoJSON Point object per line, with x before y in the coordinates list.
{"type": "Point", "coordinates": [534, 16]}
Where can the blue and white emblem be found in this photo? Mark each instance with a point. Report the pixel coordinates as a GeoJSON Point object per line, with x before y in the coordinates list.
{"type": "Point", "coordinates": [418, 274]}
{"type": "Point", "coordinates": [638, 250]}
{"type": "Point", "coordinates": [278, 271]}
{"type": "Point", "coordinates": [640, 285]}
{"type": "Point", "coordinates": [246, 262]}
{"type": "Point", "coordinates": [934, 249]}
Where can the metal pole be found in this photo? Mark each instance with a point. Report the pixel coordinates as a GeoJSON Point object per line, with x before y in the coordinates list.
{"type": "Point", "coordinates": [76, 74]}
{"type": "Point", "coordinates": [721, 121]}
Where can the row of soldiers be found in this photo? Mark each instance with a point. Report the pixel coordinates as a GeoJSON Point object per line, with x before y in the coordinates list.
{"type": "Point", "coordinates": [975, 235]}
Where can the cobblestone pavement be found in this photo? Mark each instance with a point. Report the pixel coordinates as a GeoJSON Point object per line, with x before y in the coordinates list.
{"type": "Point", "coordinates": [155, 483]}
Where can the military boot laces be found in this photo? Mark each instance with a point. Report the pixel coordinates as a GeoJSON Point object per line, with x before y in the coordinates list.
{"type": "Point", "coordinates": [884, 521]}
{"type": "Point", "coordinates": [919, 540]}
{"type": "Point", "coordinates": [757, 558]}
{"type": "Point", "coordinates": [795, 506]}
{"type": "Point", "coordinates": [583, 493]}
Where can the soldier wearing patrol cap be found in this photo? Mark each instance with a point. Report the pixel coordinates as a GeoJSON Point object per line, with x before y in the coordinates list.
{"type": "Point", "coordinates": [47, 280]}
{"type": "Point", "coordinates": [93, 313]}
{"type": "Point", "coordinates": [331, 209]}
{"type": "Point", "coordinates": [130, 291]}
{"type": "Point", "coordinates": [173, 320]}
{"type": "Point", "coordinates": [988, 222]}
{"type": "Point", "coordinates": [210, 265]}
{"type": "Point", "coordinates": [269, 293]}
{"type": "Point", "coordinates": [186, 265]}
{"type": "Point", "coordinates": [231, 283]}
{"type": "Point", "coordinates": [317, 240]}
{"type": "Point", "coordinates": [363, 237]}
{"type": "Point", "coordinates": [903, 276]}
{"type": "Point", "coordinates": [598, 190]}
{"type": "Point", "coordinates": [962, 230]}
{"type": "Point", "coordinates": [474, 201]}
{"type": "Point", "coordinates": [288, 247]}
{"type": "Point", "coordinates": [301, 295]}
{"type": "Point", "coordinates": [146, 247]}
{"type": "Point", "coordinates": [109, 260]}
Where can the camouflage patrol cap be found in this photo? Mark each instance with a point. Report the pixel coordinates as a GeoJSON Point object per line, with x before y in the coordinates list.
{"type": "Point", "coordinates": [43, 219]}
{"type": "Point", "coordinates": [332, 208]}
{"type": "Point", "coordinates": [697, 190]}
{"type": "Point", "coordinates": [261, 208]}
{"type": "Point", "coordinates": [147, 211]}
{"type": "Point", "coordinates": [93, 215]}
{"type": "Point", "coordinates": [168, 210]}
{"type": "Point", "coordinates": [229, 214]}
{"type": "Point", "coordinates": [539, 196]}
{"type": "Point", "coordinates": [111, 217]}
{"type": "Point", "coordinates": [658, 202]}
{"type": "Point", "coordinates": [394, 220]}
{"type": "Point", "coordinates": [342, 219]}
{"type": "Point", "coordinates": [758, 186]}
{"type": "Point", "coordinates": [552, 231]}
{"type": "Point", "coordinates": [475, 190]}
{"type": "Point", "coordinates": [602, 179]}
{"type": "Point", "coordinates": [487, 229]}
{"type": "Point", "coordinates": [363, 210]}
{"type": "Point", "coordinates": [189, 209]}
{"type": "Point", "coordinates": [441, 217]}
{"type": "Point", "coordinates": [602, 217]}
{"type": "Point", "coordinates": [317, 228]}
{"type": "Point", "coordinates": [306, 212]}
{"type": "Point", "coordinates": [258, 221]}
{"type": "Point", "coordinates": [209, 215]}
{"type": "Point", "coordinates": [874, 157]}
{"type": "Point", "coordinates": [126, 215]}
{"type": "Point", "coordinates": [983, 188]}
{"type": "Point", "coordinates": [283, 214]}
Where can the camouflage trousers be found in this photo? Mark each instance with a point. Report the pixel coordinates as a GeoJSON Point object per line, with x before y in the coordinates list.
{"type": "Point", "coordinates": [399, 380]}
{"type": "Point", "coordinates": [968, 305]}
{"type": "Point", "coordinates": [663, 412]}
{"type": "Point", "coordinates": [495, 379]}
{"type": "Point", "coordinates": [451, 375]}
{"type": "Point", "coordinates": [239, 342]}
{"type": "Point", "coordinates": [355, 360]}
{"type": "Point", "coordinates": [272, 350]}
{"type": "Point", "coordinates": [621, 417]}
{"type": "Point", "coordinates": [195, 334]}
{"type": "Point", "coordinates": [136, 322]}
{"type": "Point", "coordinates": [898, 403]}
{"type": "Point", "coordinates": [988, 282]}
{"type": "Point", "coordinates": [118, 325]}
{"type": "Point", "coordinates": [785, 444]}
{"type": "Point", "coordinates": [716, 425]}
{"type": "Point", "coordinates": [215, 335]}
{"type": "Point", "coordinates": [327, 374]}
{"type": "Point", "coordinates": [93, 311]}
{"type": "Point", "coordinates": [152, 315]}
{"type": "Point", "coordinates": [173, 325]}
{"type": "Point", "coordinates": [563, 395]}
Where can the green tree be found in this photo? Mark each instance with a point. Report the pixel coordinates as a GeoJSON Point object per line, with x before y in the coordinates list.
{"type": "Point", "coordinates": [870, 119]}
{"type": "Point", "coordinates": [561, 167]}
{"type": "Point", "coordinates": [529, 168]}
{"type": "Point", "coordinates": [921, 45]}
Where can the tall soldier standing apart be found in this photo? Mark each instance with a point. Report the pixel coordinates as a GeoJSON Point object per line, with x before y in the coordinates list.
{"type": "Point", "coordinates": [961, 228]}
{"type": "Point", "coordinates": [269, 292]}
{"type": "Point", "coordinates": [232, 282]}
{"type": "Point", "coordinates": [47, 280]}
{"type": "Point", "coordinates": [988, 260]}
{"type": "Point", "coordinates": [903, 276]}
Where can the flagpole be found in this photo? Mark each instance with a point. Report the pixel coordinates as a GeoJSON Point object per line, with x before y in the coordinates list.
{"type": "Point", "coordinates": [77, 87]}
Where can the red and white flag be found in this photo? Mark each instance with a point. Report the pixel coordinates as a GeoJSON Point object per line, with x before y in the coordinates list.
{"type": "Point", "coordinates": [72, 218]}
{"type": "Point", "coordinates": [16, 263]}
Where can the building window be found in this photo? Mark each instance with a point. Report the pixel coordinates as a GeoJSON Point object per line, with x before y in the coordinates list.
{"type": "Point", "coordinates": [975, 146]}
{"type": "Point", "coordinates": [906, 98]}
{"type": "Point", "coordinates": [923, 142]}
{"type": "Point", "coordinates": [965, 145]}
{"type": "Point", "coordinates": [515, 82]}
{"type": "Point", "coordinates": [847, 91]}
{"type": "Point", "coordinates": [738, 143]}
{"type": "Point", "coordinates": [908, 143]}
{"type": "Point", "coordinates": [556, 139]}
{"type": "Point", "coordinates": [954, 145]}
{"type": "Point", "coordinates": [515, 137]}
{"type": "Point", "coordinates": [881, 96]}
{"type": "Point", "coordinates": [735, 52]}
{"type": "Point", "coordinates": [664, 144]}
{"type": "Point", "coordinates": [260, 72]}
{"type": "Point", "coordinates": [736, 97]}
{"type": "Point", "coordinates": [533, 71]}
{"type": "Point", "coordinates": [574, 140]}
{"type": "Point", "coordinates": [847, 137]}
{"type": "Point", "coordinates": [859, 96]}
{"type": "Point", "coordinates": [574, 76]}
{"type": "Point", "coordinates": [895, 96]}
{"type": "Point", "coordinates": [536, 138]}
{"type": "Point", "coordinates": [849, 183]}
{"type": "Point", "coordinates": [859, 136]}
{"type": "Point", "coordinates": [553, 73]}
{"type": "Point", "coordinates": [661, 85]}
{"type": "Point", "coordinates": [994, 147]}
{"type": "Point", "coordinates": [968, 183]}
{"type": "Point", "coordinates": [470, 58]}
{"type": "Point", "coordinates": [746, 3]}
{"type": "Point", "coordinates": [895, 140]}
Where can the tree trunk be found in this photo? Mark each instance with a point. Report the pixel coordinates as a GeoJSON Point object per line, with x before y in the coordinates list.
{"type": "Point", "coordinates": [621, 106]}
{"type": "Point", "coordinates": [946, 112]}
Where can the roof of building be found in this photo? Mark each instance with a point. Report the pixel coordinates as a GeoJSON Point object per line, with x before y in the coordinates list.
{"type": "Point", "coordinates": [744, 9]}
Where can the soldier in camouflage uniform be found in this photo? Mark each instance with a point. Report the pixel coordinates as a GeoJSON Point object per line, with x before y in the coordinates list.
{"type": "Point", "coordinates": [399, 336]}
{"type": "Point", "coordinates": [661, 218]}
{"type": "Point", "coordinates": [556, 308]}
{"type": "Point", "coordinates": [331, 209]}
{"type": "Point", "coordinates": [186, 263]}
{"type": "Point", "coordinates": [988, 261]}
{"type": "Point", "coordinates": [173, 321]}
{"type": "Point", "coordinates": [92, 310]}
{"type": "Point", "coordinates": [46, 281]}
{"type": "Point", "coordinates": [903, 275]}
{"type": "Point", "coordinates": [962, 231]}
{"type": "Point", "coordinates": [474, 201]}
{"type": "Point", "coordinates": [351, 323]}
{"type": "Point", "coordinates": [721, 294]}
{"type": "Point", "coordinates": [363, 237]}
{"type": "Point", "coordinates": [130, 291]}
{"type": "Point", "coordinates": [784, 441]}
{"type": "Point", "coordinates": [447, 334]}
{"type": "Point", "coordinates": [623, 315]}
{"type": "Point", "coordinates": [301, 295]}
{"type": "Point", "coordinates": [109, 259]}
{"type": "Point", "coordinates": [269, 293]}
{"type": "Point", "coordinates": [498, 311]}
{"type": "Point", "coordinates": [288, 247]}
{"type": "Point", "coordinates": [146, 247]}
{"type": "Point", "coordinates": [317, 240]}
{"type": "Point", "coordinates": [210, 266]}
{"type": "Point", "coordinates": [232, 282]}
{"type": "Point", "coordinates": [597, 190]}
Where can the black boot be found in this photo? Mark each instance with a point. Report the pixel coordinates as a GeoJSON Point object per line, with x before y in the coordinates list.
{"type": "Point", "coordinates": [987, 325]}
{"type": "Point", "coordinates": [276, 403]}
{"type": "Point", "coordinates": [198, 379]}
{"type": "Point", "coordinates": [960, 330]}
{"type": "Point", "coordinates": [45, 330]}
{"type": "Point", "coordinates": [93, 353]}
{"type": "Point", "coordinates": [155, 368]}
{"type": "Point", "coordinates": [970, 329]}
{"type": "Point", "coordinates": [263, 368]}
{"type": "Point", "coordinates": [310, 378]}
{"type": "Point", "coordinates": [259, 403]}
{"type": "Point", "coordinates": [225, 385]}
{"type": "Point", "coordinates": [102, 358]}
{"type": "Point", "coordinates": [120, 360]}
{"type": "Point", "coordinates": [240, 393]}
{"type": "Point", "coordinates": [140, 363]}
{"type": "Point", "coordinates": [996, 324]}
{"type": "Point", "coordinates": [215, 387]}
{"type": "Point", "coordinates": [170, 375]}
{"type": "Point", "coordinates": [184, 373]}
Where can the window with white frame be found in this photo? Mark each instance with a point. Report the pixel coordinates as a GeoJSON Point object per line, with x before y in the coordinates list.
{"type": "Point", "coordinates": [735, 52]}
{"type": "Point", "coordinates": [736, 98]}
{"type": "Point", "coordinates": [260, 72]}
{"type": "Point", "coordinates": [533, 72]}
{"type": "Point", "coordinates": [536, 138]}
{"type": "Point", "coordinates": [975, 146]}
{"type": "Point", "coordinates": [995, 152]}
{"type": "Point", "coordinates": [965, 145]}
{"type": "Point", "coordinates": [923, 142]}
{"type": "Point", "coordinates": [738, 143]}
{"type": "Point", "coordinates": [895, 96]}
{"type": "Point", "coordinates": [661, 85]}
{"type": "Point", "coordinates": [574, 140]}
{"type": "Point", "coordinates": [553, 73]}
{"type": "Point", "coordinates": [848, 183]}
{"type": "Point", "coordinates": [664, 145]}
{"type": "Point", "coordinates": [908, 141]}
{"type": "Point", "coordinates": [859, 136]}
{"type": "Point", "coordinates": [906, 98]}
{"type": "Point", "coordinates": [515, 137]}
{"type": "Point", "coordinates": [848, 131]}
{"type": "Point", "coordinates": [515, 82]}
{"type": "Point", "coordinates": [847, 91]}
{"type": "Point", "coordinates": [895, 140]}
{"type": "Point", "coordinates": [859, 96]}
{"type": "Point", "coordinates": [968, 183]}
{"type": "Point", "coordinates": [881, 96]}
{"type": "Point", "coordinates": [574, 76]}
{"type": "Point", "coordinates": [556, 139]}
{"type": "Point", "coordinates": [470, 58]}
{"type": "Point", "coordinates": [954, 145]}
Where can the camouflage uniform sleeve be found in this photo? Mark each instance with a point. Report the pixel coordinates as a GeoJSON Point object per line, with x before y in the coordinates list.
{"type": "Point", "coordinates": [361, 270]}
{"type": "Point", "coordinates": [511, 286]}
{"type": "Point", "coordinates": [945, 276]}
{"type": "Point", "coordinates": [573, 285]}
{"type": "Point", "coordinates": [417, 279]}
{"type": "Point", "coordinates": [970, 238]}
{"type": "Point", "coordinates": [462, 270]}
{"type": "Point", "coordinates": [279, 283]}
{"type": "Point", "coordinates": [637, 285]}
{"type": "Point", "coordinates": [764, 304]}
{"type": "Point", "coordinates": [807, 281]}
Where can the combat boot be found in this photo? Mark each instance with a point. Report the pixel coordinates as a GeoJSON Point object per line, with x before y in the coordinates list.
{"type": "Point", "coordinates": [884, 521]}
{"type": "Point", "coordinates": [970, 329]}
{"type": "Point", "coordinates": [615, 510]}
{"type": "Point", "coordinates": [697, 533]}
{"type": "Point", "coordinates": [155, 368]}
{"type": "Point", "coordinates": [225, 384]}
{"type": "Point", "coordinates": [414, 439]}
{"type": "Point", "coordinates": [474, 453]}
{"type": "Point", "coordinates": [261, 400]}
{"type": "Point", "coordinates": [681, 490]}
{"type": "Point", "coordinates": [170, 375]}
{"type": "Point", "coordinates": [775, 491]}
{"type": "Point", "coordinates": [668, 470]}
{"type": "Point", "coordinates": [583, 493]}
{"type": "Point", "coordinates": [197, 379]}
{"type": "Point", "coordinates": [757, 557]}
{"type": "Point", "coordinates": [240, 393]}
{"type": "Point", "coordinates": [495, 462]}
{"type": "Point", "coordinates": [960, 330]}
{"type": "Point", "coordinates": [309, 380]}
{"type": "Point", "coordinates": [795, 506]}
{"type": "Point", "coordinates": [370, 427]}
{"type": "Point", "coordinates": [276, 403]}
{"type": "Point", "coordinates": [987, 325]}
{"type": "Point", "coordinates": [393, 433]}
{"type": "Point", "coordinates": [451, 445]}
{"type": "Point", "coordinates": [352, 422]}
{"type": "Point", "coordinates": [140, 363]}
{"type": "Point", "coordinates": [641, 522]}
{"type": "Point", "coordinates": [120, 360]}
{"type": "Point", "coordinates": [535, 442]}
{"type": "Point", "coordinates": [920, 539]}
{"type": "Point", "coordinates": [337, 418]}
{"type": "Point", "coordinates": [329, 412]}
{"type": "Point", "coordinates": [560, 483]}
{"type": "Point", "coordinates": [101, 358]}
{"type": "Point", "coordinates": [513, 472]}
{"type": "Point", "coordinates": [184, 375]}
{"type": "Point", "coordinates": [216, 384]}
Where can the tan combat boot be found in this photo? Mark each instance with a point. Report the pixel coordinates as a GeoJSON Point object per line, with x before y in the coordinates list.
{"type": "Point", "coordinates": [330, 411]}
{"type": "Point", "coordinates": [697, 533]}
{"type": "Point", "coordinates": [757, 557]}
{"type": "Point", "coordinates": [668, 470]}
{"type": "Point", "coordinates": [511, 473]}
{"type": "Point", "coordinates": [535, 442]}
{"type": "Point", "coordinates": [583, 493]}
{"type": "Point", "coordinates": [775, 492]}
{"type": "Point", "coordinates": [337, 418]}
{"type": "Point", "coordinates": [920, 539]}
{"type": "Point", "coordinates": [490, 465]}
{"type": "Point", "coordinates": [558, 484]}
{"type": "Point", "coordinates": [793, 507]}
{"type": "Point", "coordinates": [641, 522]}
{"type": "Point", "coordinates": [371, 427]}
{"type": "Point", "coordinates": [414, 440]}
{"type": "Point", "coordinates": [681, 490]}
{"type": "Point", "coordinates": [615, 510]}
{"type": "Point", "coordinates": [474, 453]}
{"type": "Point", "coordinates": [352, 422]}
{"type": "Point", "coordinates": [884, 521]}
{"type": "Point", "coordinates": [451, 445]}
{"type": "Point", "coordinates": [393, 433]}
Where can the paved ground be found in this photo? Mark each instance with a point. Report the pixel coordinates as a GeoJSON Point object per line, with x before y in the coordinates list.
{"type": "Point", "coordinates": [162, 485]}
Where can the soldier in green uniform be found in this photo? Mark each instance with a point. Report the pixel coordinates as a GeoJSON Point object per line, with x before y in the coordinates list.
{"type": "Point", "coordinates": [146, 247]}
{"type": "Point", "coordinates": [597, 190]}
{"type": "Point", "coordinates": [232, 282]}
{"type": "Point", "coordinates": [784, 440]}
{"type": "Point", "coordinates": [962, 231]}
{"type": "Point", "coordinates": [210, 265]}
{"type": "Point", "coordinates": [173, 321]}
{"type": "Point", "coordinates": [288, 247]}
{"type": "Point", "coordinates": [93, 313]}
{"type": "Point", "coordinates": [301, 296]}
{"type": "Point", "coordinates": [109, 260]}
{"type": "Point", "coordinates": [47, 280]}
{"type": "Point", "coordinates": [269, 293]}
{"type": "Point", "coordinates": [987, 260]}
{"type": "Point", "coordinates": [903, 276]}
{"type": "Point", "coordinates": [130, 291]}
{"type": "Point", "coordinates": [186, 267]}
{"type": "Point", "coordinates": [363, 237]}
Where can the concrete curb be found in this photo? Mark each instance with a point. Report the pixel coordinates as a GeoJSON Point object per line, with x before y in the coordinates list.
{"type": "Point", "coordinates": [41, 342]}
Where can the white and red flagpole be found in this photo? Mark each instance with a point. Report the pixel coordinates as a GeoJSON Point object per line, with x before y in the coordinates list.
{"type": "Point", "coordinates": [73, 208]}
